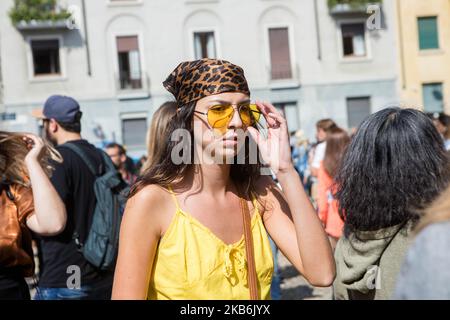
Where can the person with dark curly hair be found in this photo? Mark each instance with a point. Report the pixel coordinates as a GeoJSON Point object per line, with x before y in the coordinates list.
{"type": "Point", "coordinates": [395, 166]}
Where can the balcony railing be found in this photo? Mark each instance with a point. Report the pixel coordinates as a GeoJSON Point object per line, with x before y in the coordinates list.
{"type": "Point", "coordinates": [128, 87]}
{"type": "Point", "coordinates": [285, 77]}
{"type": "Point", "coordinates": [43, 25]}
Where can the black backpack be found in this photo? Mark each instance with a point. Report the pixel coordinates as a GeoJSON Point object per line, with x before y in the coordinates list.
{"type": "Point", "coordinates": [102, 241]}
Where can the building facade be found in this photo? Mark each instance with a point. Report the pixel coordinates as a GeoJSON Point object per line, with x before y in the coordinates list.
{"type": "Point", "coordinates": [310, 60]}
{"type": "Point", "coordinates": [424, 54]}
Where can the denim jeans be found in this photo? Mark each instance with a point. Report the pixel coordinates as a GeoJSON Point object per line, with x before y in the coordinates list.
{"type": "Point", "coordinates": [84, 293]}
{"type": "Point", "coordinates": [275, 288]}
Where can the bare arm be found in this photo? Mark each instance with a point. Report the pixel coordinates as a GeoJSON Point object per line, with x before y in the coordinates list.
{"type": "Point", "coordinates": [316, 260]}
{"type": "Point", "coordinates": [292, 221]}
{"type": "Point", "coordinates": [49, 216]}
{"type": "Point", "coordinates": [139, 236]}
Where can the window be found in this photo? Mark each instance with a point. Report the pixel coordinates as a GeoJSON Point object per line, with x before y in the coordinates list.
{"type": "Point", "coordinates": [45, 55]}
{"type": "Point", "coordinates": [353, 40]}
{"type": "Point", "coordinates": [130, 76]}
{"type": "Point", "coordinates": [433, 99]}
{"type": "Point", "coordinates": [290, 113]}
{"type": "Point", "coordinates": [358, 109]}
{"type": "Point", "coordinates": [134, 132]}
{"type": "Point", "coordinates": [280, 59]}
{"type": "Point", "coordinates": [428, 33]}
{"type": "Point", "coordinates": [204, 45]}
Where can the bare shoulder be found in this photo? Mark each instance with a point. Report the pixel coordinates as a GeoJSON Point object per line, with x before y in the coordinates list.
{"type": "Point", "coordinates": [150, 206]}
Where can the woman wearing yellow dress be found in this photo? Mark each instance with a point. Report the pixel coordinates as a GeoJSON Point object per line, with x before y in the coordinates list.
{"type": "Point", "coordinates": [182, 231]}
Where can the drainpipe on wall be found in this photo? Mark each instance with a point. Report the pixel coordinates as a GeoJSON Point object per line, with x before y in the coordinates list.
{"type": "Point", "coordinates": [402, 53]}
{"type": "Point", "coordinates": [316, 13]}
{"type": "Point", "coordinates": [88, 55]}
{"type": "Point", "coordinates": [2, 106]}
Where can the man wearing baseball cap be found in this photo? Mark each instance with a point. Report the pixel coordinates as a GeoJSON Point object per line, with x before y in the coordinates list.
{"type": "Point", "coordinates": [60, 260]}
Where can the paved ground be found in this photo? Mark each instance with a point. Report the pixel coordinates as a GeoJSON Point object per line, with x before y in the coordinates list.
{"type": "Point", "coordinates": [295, 287]}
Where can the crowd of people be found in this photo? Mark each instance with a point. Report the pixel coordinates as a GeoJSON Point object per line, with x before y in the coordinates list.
{"type": "Point", "coordinates": [366, 211]}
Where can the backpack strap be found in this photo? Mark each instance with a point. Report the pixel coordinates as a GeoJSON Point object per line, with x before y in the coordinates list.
{"type": "Point", "coordinates": [400, 228]}
{"type": "Point", "coordinates": [92, 167]}
{"type": "Point", "coordinates": [96, 172]}
{"type": "Point", "coordinates": [109, 165]}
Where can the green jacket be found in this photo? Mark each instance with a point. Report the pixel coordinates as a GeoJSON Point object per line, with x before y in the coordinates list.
{"type": "Point", "coordinates": [368, 262]}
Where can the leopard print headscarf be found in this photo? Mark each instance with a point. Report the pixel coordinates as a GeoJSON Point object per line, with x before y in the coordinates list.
{"type": "Point", "coordinates": [193, 80]}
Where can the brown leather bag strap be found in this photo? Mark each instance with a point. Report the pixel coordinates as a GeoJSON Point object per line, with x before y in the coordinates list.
{"type": "Point", "coordinates": [251, 273]}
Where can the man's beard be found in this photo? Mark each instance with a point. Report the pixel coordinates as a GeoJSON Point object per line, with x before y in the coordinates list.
{"type": "Point", "coordinates": [47, 136]}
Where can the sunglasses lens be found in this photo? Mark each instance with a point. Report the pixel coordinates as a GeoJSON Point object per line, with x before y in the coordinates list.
{"type": "Point", "coordinates": [256, 114]}
{"type": "Point", "coordinates": [219, 116]}
{"type": "Point", "coordinates": [250, 114]}
{"type": "Point", "coordinates": [246, 115]}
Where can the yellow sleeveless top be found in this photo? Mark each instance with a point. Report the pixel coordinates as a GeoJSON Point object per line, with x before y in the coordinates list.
{"type": "Point", "coordinates": [191, 263]}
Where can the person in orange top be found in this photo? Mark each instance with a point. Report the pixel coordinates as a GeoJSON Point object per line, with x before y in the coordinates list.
{"type": "Point", "coordinates": [328, 207]}
{"type": "Point", "coordinates": [28, 203]}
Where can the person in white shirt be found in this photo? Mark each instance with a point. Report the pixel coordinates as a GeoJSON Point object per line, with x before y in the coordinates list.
{"type": "Point", "coordinates": [318, 153]}
{"type": "Point", "coordinates": [322, 127]}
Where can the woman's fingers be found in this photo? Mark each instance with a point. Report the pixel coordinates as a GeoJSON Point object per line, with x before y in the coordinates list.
{"type": "Point", "coordinates": [33, 142]}
{"type": "Point", "coordinates": [28, 141]}
{"type": "Point", "coordinates": [255, 135]}
{"type": "Point", "coordinates": [273, 117]}
{"type": "Point", "coordinates": [278, 118]}
{"type": "Point", "coordinates": [270, 108]}
{"type": "Point", "coordinates": [36, 140]}
{"type": "Point", "coordinates": [265, 111]}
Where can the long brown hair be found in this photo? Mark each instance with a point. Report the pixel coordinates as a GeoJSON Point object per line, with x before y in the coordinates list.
{"type": "Point", "coordinates": [326, 124]}
{"type": "Point", "coordinates": [13, 150]}
{"type": "Point", "coordinates": [164, 171]}
{"type": "Point", "coordinates": [156, 135]}
{"type": "Point", "coordinates": [337, 142]}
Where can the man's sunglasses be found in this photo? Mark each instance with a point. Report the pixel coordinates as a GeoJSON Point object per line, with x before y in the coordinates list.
{"type": "Point", "coordinates": [219, 116]}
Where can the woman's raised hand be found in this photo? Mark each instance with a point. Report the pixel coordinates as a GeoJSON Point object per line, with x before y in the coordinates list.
{"type": "Point", "coordinates": [35, 145]}
{"type": "Point", "coordinates": [275, 149]}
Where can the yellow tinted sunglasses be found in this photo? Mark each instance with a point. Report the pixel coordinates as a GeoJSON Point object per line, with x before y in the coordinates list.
{"type": "Point", "coordinates": [219, 116]}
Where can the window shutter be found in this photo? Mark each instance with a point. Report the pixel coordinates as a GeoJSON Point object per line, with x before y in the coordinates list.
{"type": "Point", "coordinates": [127, 44]}
{"type": "Point", "coordinates": [134, 132]}
{"type": "Point", "coordinates": [433, 97]}
{"type": "Point", "coordinates": [428, 33]}
{"type": "Point", "coordinates": [358, 109]}
{"type": "Point", "coordinates": [279, 53]}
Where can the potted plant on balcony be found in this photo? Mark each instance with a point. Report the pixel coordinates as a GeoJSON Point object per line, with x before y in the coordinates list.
{"type": "Point", "coordinates": [38, 14]}
{"type": "Point", "coordinates": [350, 6]}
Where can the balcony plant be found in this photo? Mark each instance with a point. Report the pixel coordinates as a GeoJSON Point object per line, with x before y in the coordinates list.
{"type": "Point", "coordinates": [350, 6]}
{"type": "Point", "coordinates": [37, 12]}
